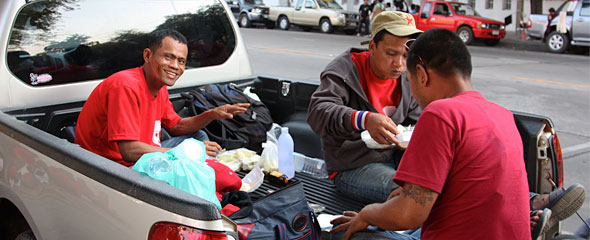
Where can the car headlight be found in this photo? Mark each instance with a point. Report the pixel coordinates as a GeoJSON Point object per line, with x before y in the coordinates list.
{"type": "Point", "coordinates": [502, 27]}
{"type": "Point", "coordinates": [482, 25]}
{"type": "Point", "coordinates": [341, 16]}
{"type": "Point", "coordinates": [256, 10]}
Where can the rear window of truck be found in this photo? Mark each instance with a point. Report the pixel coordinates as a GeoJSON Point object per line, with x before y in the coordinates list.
{"type": "Point", "coordinates": [65, 41]}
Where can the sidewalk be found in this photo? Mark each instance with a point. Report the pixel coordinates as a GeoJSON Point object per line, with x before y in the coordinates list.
{"type": "Point", "coordinates": [513, 41]}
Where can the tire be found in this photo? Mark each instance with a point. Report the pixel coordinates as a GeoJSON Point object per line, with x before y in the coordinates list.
{"type": "Point", "coordinates": [557, 42]}
{"type": "Point", "coordinates": [466, 34]}
{"type": "Point", "coordinates": [491, 42]}
{"type": "Point", "coordinates": [284, 23]}
{"type": "Point", "coordinates": [326, 26]}
{"type": "Point", "coordinates": [26, 235]}
{"type": "Point", "coordinates": [244, 21]}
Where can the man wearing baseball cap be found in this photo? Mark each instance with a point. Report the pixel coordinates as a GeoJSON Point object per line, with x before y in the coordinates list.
{"type": "Point", "coordinates": [366, 90]}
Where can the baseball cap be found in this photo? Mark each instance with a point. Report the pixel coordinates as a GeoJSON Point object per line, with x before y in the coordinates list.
{"type": "Point", "coordinates": [399, 24]}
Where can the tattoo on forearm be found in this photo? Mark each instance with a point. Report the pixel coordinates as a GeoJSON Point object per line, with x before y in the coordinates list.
{"type": "Point", "coordinates": [420, 194]}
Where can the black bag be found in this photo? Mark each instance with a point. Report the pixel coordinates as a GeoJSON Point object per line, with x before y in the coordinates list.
{"type": "Point", "coordinates": [243, 130]}
{"type": "Point", "coordinates": [283, 215]}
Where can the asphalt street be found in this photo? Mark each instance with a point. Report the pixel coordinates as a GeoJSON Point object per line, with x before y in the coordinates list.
{"type": "Point", "coordinates": [519, 75]}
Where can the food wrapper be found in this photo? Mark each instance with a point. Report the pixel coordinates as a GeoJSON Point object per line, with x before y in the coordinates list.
{"type": "Point", "coordinates": [239, 158]}
{"type": "Point", "coordinates": [404, 138]}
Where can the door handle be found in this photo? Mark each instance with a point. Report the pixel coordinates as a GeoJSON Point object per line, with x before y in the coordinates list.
{"type": "Point", "coordinates": [433, 19]}
{"type": "Point", "coordinates": [580, 20]}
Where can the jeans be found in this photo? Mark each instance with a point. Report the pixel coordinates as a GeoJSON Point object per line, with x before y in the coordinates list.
{"type": "Point", "coordinates": [364, 26]}
{"type": "Point", "coordinates": [371, 183]}
{"type": "Point", "coordinates": [376, 233]}
{"type": "Point", "coordinates": [174, 141]}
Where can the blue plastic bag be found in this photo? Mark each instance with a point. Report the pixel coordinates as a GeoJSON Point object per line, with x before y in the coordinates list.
{"type": "Point", "coordinates": [182, 167]}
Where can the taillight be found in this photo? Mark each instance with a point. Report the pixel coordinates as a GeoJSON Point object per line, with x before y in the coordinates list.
{"type": "Point", "coordinates": [559, 160]}
{"type": "Point", "coordinates": [173, 231]}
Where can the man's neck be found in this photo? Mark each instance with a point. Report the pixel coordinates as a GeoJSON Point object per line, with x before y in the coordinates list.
{"type": "Point", "coordinates": [149, 80]}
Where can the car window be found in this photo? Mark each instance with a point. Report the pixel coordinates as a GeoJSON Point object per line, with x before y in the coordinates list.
{"type": "Point", "coordinates": [585, 11]}
{"type": "Point", "coordinates": [299, 4]}
{"type": "Point", "coordinates": [309, 4]}
{"type": "Point", "coordinates": [329, 4]}
{"type": "Point", "coordinates": [441, 9]}
{"type": "Point", "coordinates": [51, 42]}
{"type": "Point", "coordinates": [464, 9]}
{"type": "Point", "coordinates": [426, 10]}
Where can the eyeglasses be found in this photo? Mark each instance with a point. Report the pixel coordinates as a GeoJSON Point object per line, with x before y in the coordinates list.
{"type": "Point", "coordinates": [408, 45]}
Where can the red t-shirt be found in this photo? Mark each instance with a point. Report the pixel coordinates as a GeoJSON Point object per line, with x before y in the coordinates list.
{"type": "Point", "coordinates": [384, 95]}
{"type": "Point", "coordinates": [469, 150]}
{"type": "Point", "coordinates": [122, 108]}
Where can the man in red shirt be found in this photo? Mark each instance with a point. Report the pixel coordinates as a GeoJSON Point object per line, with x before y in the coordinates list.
{"type": "Point", "coordinates": [366, 90]}
{"type": "Point", "coordinates": [462, 175]}
{"type": "Point", "coordinates": [123, 116]}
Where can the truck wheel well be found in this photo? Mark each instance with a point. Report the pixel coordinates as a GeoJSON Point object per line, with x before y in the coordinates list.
{"type": "Point", "coordinates": [12, 222]}
{"type": "Point", "coordinates": [322, 18]}
{"type": "Point", "coordinates": [463, 25]}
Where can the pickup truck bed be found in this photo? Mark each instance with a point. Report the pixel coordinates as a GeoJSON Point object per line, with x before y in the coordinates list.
{"type": "Point", "coordinates": [286, 109]}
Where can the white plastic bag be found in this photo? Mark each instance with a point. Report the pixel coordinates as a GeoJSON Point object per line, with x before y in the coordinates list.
{"type": "Point", "coordinates": [252, 180]}
{"type": "Point", "coordinates": [269, 159]}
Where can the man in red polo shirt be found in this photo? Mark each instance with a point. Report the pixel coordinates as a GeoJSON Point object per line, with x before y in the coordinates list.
{"type": "Point", "coordinates": [462, 175]}
{"type": "Point", "coordinates": [123, 116]}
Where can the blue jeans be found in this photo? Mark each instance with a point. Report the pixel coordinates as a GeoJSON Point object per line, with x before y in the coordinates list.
{"type": "Point", "coordinates": [376, 233]}
{"type": "Point", "coordinates": [371, 183]}
{"type": "Point", "coordinates": [174, 141]}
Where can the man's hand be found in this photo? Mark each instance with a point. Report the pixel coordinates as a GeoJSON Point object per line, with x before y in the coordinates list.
{"type": "Point", "coordinates": [382, 129]}
{"type": "Point", "coordinates": [212, 148]}
{"type": "Point", "coordinates": [228, 111]}
{"type": "Point", "coordinates": [351, 222]}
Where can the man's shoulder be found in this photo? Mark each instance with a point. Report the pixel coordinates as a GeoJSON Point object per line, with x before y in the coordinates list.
{"type": "Point", "coordinates": [128, 77]}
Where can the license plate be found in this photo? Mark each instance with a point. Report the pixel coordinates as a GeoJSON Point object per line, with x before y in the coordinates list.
{"type": "Point", "coordinates": [496, 32]}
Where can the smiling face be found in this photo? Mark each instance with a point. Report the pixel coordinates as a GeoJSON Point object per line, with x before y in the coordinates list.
{"type": "Point", "coordinates": [165, 65]}
{"type": "Point", "coordinates": [388, 58]}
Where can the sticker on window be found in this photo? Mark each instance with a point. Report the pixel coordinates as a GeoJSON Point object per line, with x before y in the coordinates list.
{"type": "Point", "coordinates": [37, 79]}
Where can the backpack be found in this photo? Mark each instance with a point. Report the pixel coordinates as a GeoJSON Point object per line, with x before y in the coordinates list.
{"type": "Point", "coordinates": [281, 215]}
{"type": "Point", "coordinates": [243, 130]}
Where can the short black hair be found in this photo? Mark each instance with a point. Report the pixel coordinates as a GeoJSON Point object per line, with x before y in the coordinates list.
{"type": "Point", "coordinates": [442, 51]}
{"type": "Point", "coordinates": [551, 9]}
{"type": "Point", "coordinates": [379, 36]}
{"type": "Point", "coordinates": [156, 37]}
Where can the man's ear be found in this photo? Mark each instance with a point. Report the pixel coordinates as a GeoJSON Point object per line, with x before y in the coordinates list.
{"type": "Point", "coordinates": [147, 54]}
{"type": "Point", "coordinates": [372, 47]}
{"type": "Point", "coordinates": [422, 75]}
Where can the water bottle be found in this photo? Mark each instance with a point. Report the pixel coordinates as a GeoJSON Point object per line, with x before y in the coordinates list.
{"type": "Point", "coordinates": [285, 147]}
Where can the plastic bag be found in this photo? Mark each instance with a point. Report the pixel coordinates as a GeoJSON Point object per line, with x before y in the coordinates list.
{"type": "Point", "coordinates": [252, 180]}
{"type": "Point", "coordinates": [182, 167]}
{"type": "Point", "coordinates": [403, 137]}
{"type": "Point", "coordinates": [269, 159]}
{"type": "Point", "coordinates": [243, 157]}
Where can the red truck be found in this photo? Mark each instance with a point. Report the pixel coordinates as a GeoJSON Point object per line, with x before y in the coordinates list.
{"type": "Point", "coordinates": [460, 18]}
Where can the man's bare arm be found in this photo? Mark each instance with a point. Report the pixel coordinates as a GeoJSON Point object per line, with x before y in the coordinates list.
{"type": "Point", "coordinates": [195, 123]}
{"type": "Point", "coordinates": [408, 210]}
{"type": "Point", "coordinates": [133, 150]}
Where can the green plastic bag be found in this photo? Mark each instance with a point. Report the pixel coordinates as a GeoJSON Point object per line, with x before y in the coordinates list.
{"type": "Point", "coordinates": [182, 167]}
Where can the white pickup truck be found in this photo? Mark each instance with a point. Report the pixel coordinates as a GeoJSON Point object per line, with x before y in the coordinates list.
{"type": "Point", "coordinates": [577, 25]}
{"type": "Point", "coordinates": [52, 55]}
{"type": "Point", "coordinates": [326, 14]}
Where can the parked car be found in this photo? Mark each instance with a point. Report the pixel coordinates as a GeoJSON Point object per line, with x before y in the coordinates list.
{"type": "Point", "coordinates": [577, 25]}
{"type": "Point", "coordinates": [249, 12]}
{"type": "Point", "coordinates": [326, 14]}
{"type": "Point", "coordinates": [460, 18]}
